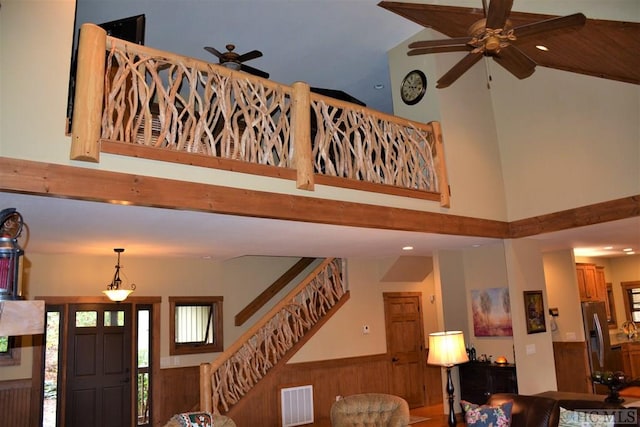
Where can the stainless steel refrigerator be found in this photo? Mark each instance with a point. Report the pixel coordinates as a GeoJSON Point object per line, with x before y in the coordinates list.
{"type": "Point", "coordinates": [596, 331]}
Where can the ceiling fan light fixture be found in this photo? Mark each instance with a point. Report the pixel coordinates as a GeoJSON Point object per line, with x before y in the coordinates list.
{"type": "Point", "coordinates": [232, 65]}
{"type": "Point", "coordinates": [492, 44]}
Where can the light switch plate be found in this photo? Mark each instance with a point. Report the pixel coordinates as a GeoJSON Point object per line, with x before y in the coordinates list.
{"type": "Point", "coordinates": [531, 349]}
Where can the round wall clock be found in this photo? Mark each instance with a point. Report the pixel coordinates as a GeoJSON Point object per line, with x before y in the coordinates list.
{"type": "Point", "coordinates": [413, 87]}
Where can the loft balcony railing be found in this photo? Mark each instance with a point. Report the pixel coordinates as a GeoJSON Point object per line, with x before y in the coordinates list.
{"type": "Point", "coordinates": [139, 101]}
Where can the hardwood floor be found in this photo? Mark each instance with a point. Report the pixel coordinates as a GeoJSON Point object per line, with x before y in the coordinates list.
{"type": "Point", "coordinates": [435, 413]}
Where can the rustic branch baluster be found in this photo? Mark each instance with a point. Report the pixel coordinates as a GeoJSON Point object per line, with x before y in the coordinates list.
{"type": "Point", "coordinates": [228, 378]}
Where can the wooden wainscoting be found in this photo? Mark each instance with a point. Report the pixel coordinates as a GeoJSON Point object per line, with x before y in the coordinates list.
{"type": "Point", "coordinates": [572, 366]}
{"type": "Point", "coordinates": [261, 405]}
{"type": "Point", "coordinates": [15, 403]}
{"type": "Point", "coordinates": [179, 392]}
{"type": "Point", "coordinates": [330, 378]}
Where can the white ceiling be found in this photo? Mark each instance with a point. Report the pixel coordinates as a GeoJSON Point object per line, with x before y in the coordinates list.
{"type": "Point", "coordinates": [63, 226]}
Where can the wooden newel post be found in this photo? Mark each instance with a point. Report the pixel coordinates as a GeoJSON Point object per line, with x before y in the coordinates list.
{"type": "Point", "coordinates": [301, 135]}
{"type": "Point", "coordinates": [89, 93]}
{"type": "Point", "coordinates": [441, 169]}
{"type": "Point", "coordinates": [205, 388]}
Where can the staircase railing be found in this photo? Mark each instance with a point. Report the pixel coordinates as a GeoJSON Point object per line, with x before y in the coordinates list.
{"type": "Point", "coordinates": [154, 100]}
{"type": "Point", "coordinates": [272, 340]}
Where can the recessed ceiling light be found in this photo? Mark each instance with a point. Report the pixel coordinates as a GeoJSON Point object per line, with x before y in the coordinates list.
{"type": "Point", "coordinates": [627, 249]}
{"type": "Point", "coordinates": [407, 248]}
{"type": "Point", "coordinates": [542, 48]}
{"type": "Point", "coordinates": [378, 86]}
{"type": "Point", "coordinates": [631, 253]}
{"type": "Point", "coordinates": [477, 245]}
{"type": "Point", "coordinates": [608, 248]}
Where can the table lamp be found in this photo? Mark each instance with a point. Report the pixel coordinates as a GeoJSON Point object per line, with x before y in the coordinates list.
{"type": "Point", "coordinates": [447, 349]}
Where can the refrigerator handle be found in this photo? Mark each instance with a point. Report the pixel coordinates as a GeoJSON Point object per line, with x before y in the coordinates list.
{"type": "Point", "coordinates": [598, 327]}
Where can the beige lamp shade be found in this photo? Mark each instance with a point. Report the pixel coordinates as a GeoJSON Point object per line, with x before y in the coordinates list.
{"type": "Point", "coordinates": [447, 348]}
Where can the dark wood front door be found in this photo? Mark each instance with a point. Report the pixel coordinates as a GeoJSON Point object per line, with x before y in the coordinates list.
{"type": "Point", "coordinates": [405, 345]}
{"type": "Point", "coordinates": [98, 391]}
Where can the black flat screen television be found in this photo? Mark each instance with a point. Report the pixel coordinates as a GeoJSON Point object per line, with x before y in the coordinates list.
{"type": "Point", "coordinates": [131, 29]}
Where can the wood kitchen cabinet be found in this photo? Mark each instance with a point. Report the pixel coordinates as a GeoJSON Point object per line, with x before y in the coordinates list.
{"type": "Point", "coordinates": [631, 358]}
{"type": "Point", "coordinates": [591, 284]}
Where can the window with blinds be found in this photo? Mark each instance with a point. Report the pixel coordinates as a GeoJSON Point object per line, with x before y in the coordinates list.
{"type": "Point", "coordinates": [633, 294]}
{"type": "Point", "coordinates": [195, 324]}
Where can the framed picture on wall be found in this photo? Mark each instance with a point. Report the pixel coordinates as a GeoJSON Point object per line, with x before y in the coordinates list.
{"type": "Point", "coordinates": [491, 310]}
{"type": "Point", "coordinates": [534, 312]}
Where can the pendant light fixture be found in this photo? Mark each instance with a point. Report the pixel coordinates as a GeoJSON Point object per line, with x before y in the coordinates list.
{"type": "Point", "coordinates": [114, 292]}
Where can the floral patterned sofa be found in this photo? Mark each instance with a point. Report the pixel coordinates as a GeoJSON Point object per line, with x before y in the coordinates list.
{"type": "Point", "coordinates": [199, 419]}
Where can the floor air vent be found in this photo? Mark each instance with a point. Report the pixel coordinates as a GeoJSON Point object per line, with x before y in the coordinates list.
{"type": "Point", "coordinates": [297, 405]}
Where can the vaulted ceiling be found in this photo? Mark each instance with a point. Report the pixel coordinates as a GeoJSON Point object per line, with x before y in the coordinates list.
{"type": "Point", "coordinates": [601, 48]}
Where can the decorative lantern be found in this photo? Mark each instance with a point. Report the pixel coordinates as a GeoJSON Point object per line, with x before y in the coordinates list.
{"type": "Point", "coordinates": [10, 255]}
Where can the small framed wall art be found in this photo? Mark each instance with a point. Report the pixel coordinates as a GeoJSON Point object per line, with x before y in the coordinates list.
{"type": "Point", "coordinates": [534, 312]}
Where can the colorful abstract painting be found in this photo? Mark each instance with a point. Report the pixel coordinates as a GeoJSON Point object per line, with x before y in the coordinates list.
{"type": "Point", "coordinates": [491, 309]}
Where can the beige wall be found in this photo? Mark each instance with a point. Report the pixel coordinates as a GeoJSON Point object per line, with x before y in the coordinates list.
{"type": "Point", "coordinates": [562, 290]}
{"type": "Point", "coordinates": [239, 281]}
{"type": "Point", "coordinates": [342, 335]}
{"type": "Point", "coordinates": [516, 265]}
{"type": "Point", "coordinates": [553, 141]}
{"type": "Point", "coordinates": [534, 352]}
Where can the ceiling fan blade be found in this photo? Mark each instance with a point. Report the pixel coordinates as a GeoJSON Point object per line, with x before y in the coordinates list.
{"type": "Point", "coordinates": [498, 13]}
{"type": "Point", "coordinates": [559, 23]}
{"type": "Point", "coordinates": [213, 51]}
{"type": "Point", "coordinates": [439, 49]}
{"type": "Point", "coordinates": [438, 43]}
{"type": "Point", "coordinates": [454, 73]}
{"type": "Point", "coordinates": [254, 71]}
{"type": "Point", "coordinates": [250, 55]}
{"type": "Point", "coordinates": [516, 62]}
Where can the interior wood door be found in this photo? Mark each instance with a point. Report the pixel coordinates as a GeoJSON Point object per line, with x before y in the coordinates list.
{"type": "Point", "coordinates": [405, 345]}
{"type": "Point", "coordinates": [98, 386]}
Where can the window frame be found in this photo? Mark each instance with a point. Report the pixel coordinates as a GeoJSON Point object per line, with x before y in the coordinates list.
{"type": "Point", "coordinates": [12, 356]}
{"type": "Point", "coordinates": [195, 348]}
{"type": "Point", "coordinates": [626, 291]}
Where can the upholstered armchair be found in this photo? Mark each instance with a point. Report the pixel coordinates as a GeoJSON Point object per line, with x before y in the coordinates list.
{"type": "Point", "coordinates": [370, 410]}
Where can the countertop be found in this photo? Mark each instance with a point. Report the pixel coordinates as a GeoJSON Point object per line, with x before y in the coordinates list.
{"type": "Point", "coordinates": [619, 339]}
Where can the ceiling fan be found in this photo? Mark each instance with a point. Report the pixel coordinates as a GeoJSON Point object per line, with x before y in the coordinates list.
{"type": "Point", "coordinates": [233, 60]}
{"type": "Point", "coordinates": [494, 36]}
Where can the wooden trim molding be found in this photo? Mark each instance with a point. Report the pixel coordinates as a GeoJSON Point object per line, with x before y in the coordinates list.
{"type": "Point", "coordinates": [597, 213]}
{"type": "Point", "coordinates": [47, 179]}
